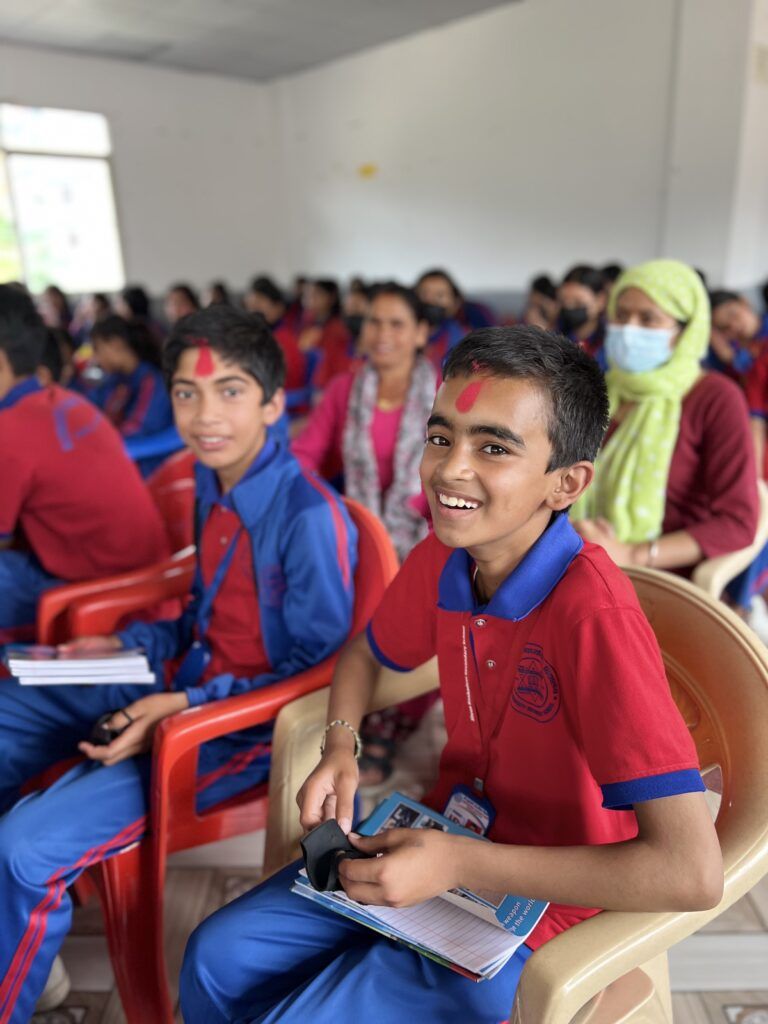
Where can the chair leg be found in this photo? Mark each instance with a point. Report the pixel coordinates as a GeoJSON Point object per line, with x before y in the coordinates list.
{"type": "Point", "coordinates": [134, 927]}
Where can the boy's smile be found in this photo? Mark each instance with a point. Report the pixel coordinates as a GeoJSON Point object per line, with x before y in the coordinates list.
{"type": "Point", "coordinates": [484, 469]}
{"type": "Point", "coordinates": [220, 412]}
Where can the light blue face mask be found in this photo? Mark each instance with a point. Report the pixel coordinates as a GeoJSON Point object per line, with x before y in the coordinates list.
{"type": "Point", "coordinates": [637, 349]}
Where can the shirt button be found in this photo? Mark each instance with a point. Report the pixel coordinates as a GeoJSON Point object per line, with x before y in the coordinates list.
{"type": "Point", "coordinates": [490, 663]}
{"type": "Point", "coordinates": [480, 622]}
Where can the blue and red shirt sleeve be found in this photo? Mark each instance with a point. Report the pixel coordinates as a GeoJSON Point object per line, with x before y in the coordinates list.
{"type": "Point", "coordinates": [635, 740]}
{"type": "Point", "coordinates": [149, 411]}
{"type": "Point", "coordinates": [403, 631]}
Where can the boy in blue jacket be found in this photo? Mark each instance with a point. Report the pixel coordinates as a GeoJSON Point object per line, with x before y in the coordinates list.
{"type": "Point", "coordinates": [272, 596]}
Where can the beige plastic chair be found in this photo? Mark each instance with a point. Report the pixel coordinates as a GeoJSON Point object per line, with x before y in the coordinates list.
{"type": "Point", "coordinates": [714, 574]}
{"type": "Point", "coordinates": [612, 969]}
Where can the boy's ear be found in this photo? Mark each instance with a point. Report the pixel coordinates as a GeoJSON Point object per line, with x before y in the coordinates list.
{"type": "Point", "coordinates": [569, 484]}
{"type": "Point", "coordinates": [275, 407]}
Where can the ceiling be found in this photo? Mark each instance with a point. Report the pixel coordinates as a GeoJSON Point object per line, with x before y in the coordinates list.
{"type": "Point", "coordinates": [255, 39]}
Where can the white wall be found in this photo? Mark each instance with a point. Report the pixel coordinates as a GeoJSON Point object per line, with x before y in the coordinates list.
{"type": "Point", "coordinates": [519, 140]}
{"type": "Point", "coordinates": [192, 164]}
{"type": "Point", "coordinates": [511, 142]}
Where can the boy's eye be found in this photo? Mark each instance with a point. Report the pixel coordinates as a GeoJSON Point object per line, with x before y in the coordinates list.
{"type": "Point", "coordinates": [181, 394]}
{"type": "Point", "coordinates": [494, 449]}
{"type": "Point", "coordinates": [438, 440]}
{"type": "Point", "coordinates": [232, 391]}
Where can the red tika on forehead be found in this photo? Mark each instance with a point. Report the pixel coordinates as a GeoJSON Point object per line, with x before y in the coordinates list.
{"type": "Point", "coordinates": [469, 395]}
{"type": "Point", "coordinates": [204, 365]}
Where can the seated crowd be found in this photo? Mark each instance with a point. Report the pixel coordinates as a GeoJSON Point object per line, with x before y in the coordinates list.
{"type": "Point", "coordinates": [619, 420]}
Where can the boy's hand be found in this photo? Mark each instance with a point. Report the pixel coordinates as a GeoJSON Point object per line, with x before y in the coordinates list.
{"type": "Point", "coordinates": [329, 792]}
{"type": "Point", "coordinates": [137, 738]}
{"type": "Point", "coordinates": [91, 645]}
{"type": "Point", "coordinates": [416, 864]}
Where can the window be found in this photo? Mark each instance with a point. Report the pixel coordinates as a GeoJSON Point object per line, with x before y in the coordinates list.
{"type": "Point", "coordinates": [58, 223]}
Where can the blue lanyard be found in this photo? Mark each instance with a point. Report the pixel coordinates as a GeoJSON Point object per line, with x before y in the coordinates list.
{"type": "Point", "coordinates": [205, 608]}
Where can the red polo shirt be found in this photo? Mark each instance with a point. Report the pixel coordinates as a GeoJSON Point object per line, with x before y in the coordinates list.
{"type": "Point", "coordinates": [67, 482]}
{"type": "Point", "coordinates": [555, 693]}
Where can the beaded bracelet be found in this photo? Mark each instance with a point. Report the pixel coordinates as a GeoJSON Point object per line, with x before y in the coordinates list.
{"type": "Point", "coordinates": [352, 729]}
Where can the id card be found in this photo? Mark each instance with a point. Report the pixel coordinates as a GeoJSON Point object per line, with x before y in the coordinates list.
{"type": "Point", "coordinates": [470, 810]}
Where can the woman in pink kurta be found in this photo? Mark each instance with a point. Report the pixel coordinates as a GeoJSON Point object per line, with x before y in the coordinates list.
{"type": "Point", "coordinates": [370, 422]}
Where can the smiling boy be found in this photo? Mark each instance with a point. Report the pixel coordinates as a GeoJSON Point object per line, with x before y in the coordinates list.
{"type": "Point", "coordinates": [272, 596]}
{"type": "Point", "coordinates": [562, 732]}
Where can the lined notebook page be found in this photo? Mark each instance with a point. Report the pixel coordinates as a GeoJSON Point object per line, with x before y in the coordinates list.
{"type": "Point", "coordinates": [450, 931]}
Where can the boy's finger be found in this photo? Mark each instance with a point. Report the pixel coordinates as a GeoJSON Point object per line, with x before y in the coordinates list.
{"type": "Point", "coordinates": [365, 892]}
{"type": "Point", "coordinates": [389, 840]}
{"type": "Point", "coordinates": [345, 802]}
{"type": "Point", "coordinates": [311, 807]}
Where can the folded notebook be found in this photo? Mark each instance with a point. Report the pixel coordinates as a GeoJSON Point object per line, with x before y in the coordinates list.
{"type": "Point", "coordinates": [38, 665]}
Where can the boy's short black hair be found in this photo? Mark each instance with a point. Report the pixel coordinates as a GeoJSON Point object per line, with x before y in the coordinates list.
{"type": "Point", "coordinates": [134, 333]}
{"type": "Point", "coordinates": [58, 351]}
{"type": "Point", "coordinates": [23, 335]}
{"type": "Point", "coordinates": [571, 380]}
{"type": "Point", "coordinates": [240, 338]}
{"type": "Point", "coordinates": [263, 285]}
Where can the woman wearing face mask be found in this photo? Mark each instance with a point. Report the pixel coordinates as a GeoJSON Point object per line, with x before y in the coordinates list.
{"type": "Point", "coordinates": [675, 482]}
{"type": "Point", "coordinates": [582, 296]}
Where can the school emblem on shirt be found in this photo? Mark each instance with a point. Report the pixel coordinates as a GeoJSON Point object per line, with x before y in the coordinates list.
{"type": "Point", "coordinates": [535, 691]}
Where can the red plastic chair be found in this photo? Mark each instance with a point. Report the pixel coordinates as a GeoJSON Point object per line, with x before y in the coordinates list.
{"type": "Point", "coordinates": [130, 885]}
{"type": "Point", "coordinates": [172, 486]}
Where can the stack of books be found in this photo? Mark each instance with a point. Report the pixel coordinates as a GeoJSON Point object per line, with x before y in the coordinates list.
{"type": "Point", "coordinates": [38, 665]}
{"type": "Point", "coordinates": [473, 933]}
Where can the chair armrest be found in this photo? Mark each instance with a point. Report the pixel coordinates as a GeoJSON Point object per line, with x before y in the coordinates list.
{"type": "Point", "coordinates": [296, 746]}
{"type": "Point", "coordinates": [178, 738]}
{"type": "Point", "coordinates": [55, 602]}
{"type": "Point", "coordinates": [714, 574]}
{"type": "Point", "coordinates": [100, 613]}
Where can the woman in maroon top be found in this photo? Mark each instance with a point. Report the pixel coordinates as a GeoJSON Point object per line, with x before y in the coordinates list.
{"type": "Point", "coordinates": [673, 422]}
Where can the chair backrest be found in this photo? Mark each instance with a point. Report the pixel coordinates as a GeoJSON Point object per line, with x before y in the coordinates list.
{"type": "Point", "coordinates": [377, 563]}
{"type": "Point", "coordinates": [172, 486]}
{"type": "Point", "coordinates": [718, 672]}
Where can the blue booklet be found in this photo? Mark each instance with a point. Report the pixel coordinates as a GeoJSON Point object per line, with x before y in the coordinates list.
{"type": "Point", "coordinates": [473, 932]}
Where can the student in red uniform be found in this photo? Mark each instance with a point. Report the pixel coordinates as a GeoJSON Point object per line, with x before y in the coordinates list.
{"type": "Point", "coordinates": [272, 596]}
{"type": "Point", "coordinates": [326, 332]}
{"type": "Point", "coordinates": [73, 505]}
{"type": "Point", "coordinates": [676, 480]}
{"type": "Point", "coordinates": [132, 394]}
{"type": "Point", "coordinates": [582, 297]}
{"type": "Point", "coordinates": [265, 297]}
{"type": "Point", "coordinates": [444, 306]}
{"type": "Point", "coordinates": [562, 732]}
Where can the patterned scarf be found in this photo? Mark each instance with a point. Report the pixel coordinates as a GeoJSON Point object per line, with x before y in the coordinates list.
{"type": "Point", "coordinates": [632, 470]}
{"type": "Point", "coordinates": [404, 523]}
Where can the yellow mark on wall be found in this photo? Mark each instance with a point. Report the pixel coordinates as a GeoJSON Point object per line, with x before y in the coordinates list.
{"type": "Point", "coordinates": [368, 170]}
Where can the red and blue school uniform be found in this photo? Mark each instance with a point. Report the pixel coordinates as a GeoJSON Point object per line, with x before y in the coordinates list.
{"type": "Point", "coordinates": [137, 404]}
{"type": "Point", "coordinates": [559, 719]}
{"type": "Point", "coordinates": [73, 503]}
{"type": "Point", "coordinates": [273, 595]}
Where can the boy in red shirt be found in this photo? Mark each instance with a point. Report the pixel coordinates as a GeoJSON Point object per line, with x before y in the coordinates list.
{"type": "Point", "coordinates": [69, 491]}
{"type": "Point", "coordinates": [562, 732]}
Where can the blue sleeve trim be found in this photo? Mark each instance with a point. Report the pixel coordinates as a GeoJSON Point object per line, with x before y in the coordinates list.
{"type": "Point", "coordinates": [756, 414]}
{"type": "Point", "coordinates": [380, 655]}
{"type": "Point", "coordinates": [621, 796]}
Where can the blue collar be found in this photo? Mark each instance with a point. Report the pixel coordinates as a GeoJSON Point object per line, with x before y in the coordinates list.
{"type": "Point", "coordinates": [527, 586]}
{"type": "Point", "coordinates": [209, 488]}
{"type": "Point", "coordinates": [28, 386]}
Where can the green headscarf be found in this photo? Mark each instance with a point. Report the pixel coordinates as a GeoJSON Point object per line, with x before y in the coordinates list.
{"type": "Point", "coordinates": [631, 472]}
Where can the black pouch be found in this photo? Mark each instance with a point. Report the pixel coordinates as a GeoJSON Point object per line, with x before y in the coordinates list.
{"type": "Point", "coordinates": [323, 848]}
{"type": "Point", "coordinates": [101, 735]}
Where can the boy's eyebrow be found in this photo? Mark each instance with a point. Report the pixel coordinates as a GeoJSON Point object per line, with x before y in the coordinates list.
{"type": "Point", "coordinates": [216, 380]}
{"type": "Point", "coordinates": [502, 433]}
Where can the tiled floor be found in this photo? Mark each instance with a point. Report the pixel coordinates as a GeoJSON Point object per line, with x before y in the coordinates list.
{"type": "Point", "coordinates": [719, 975]}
